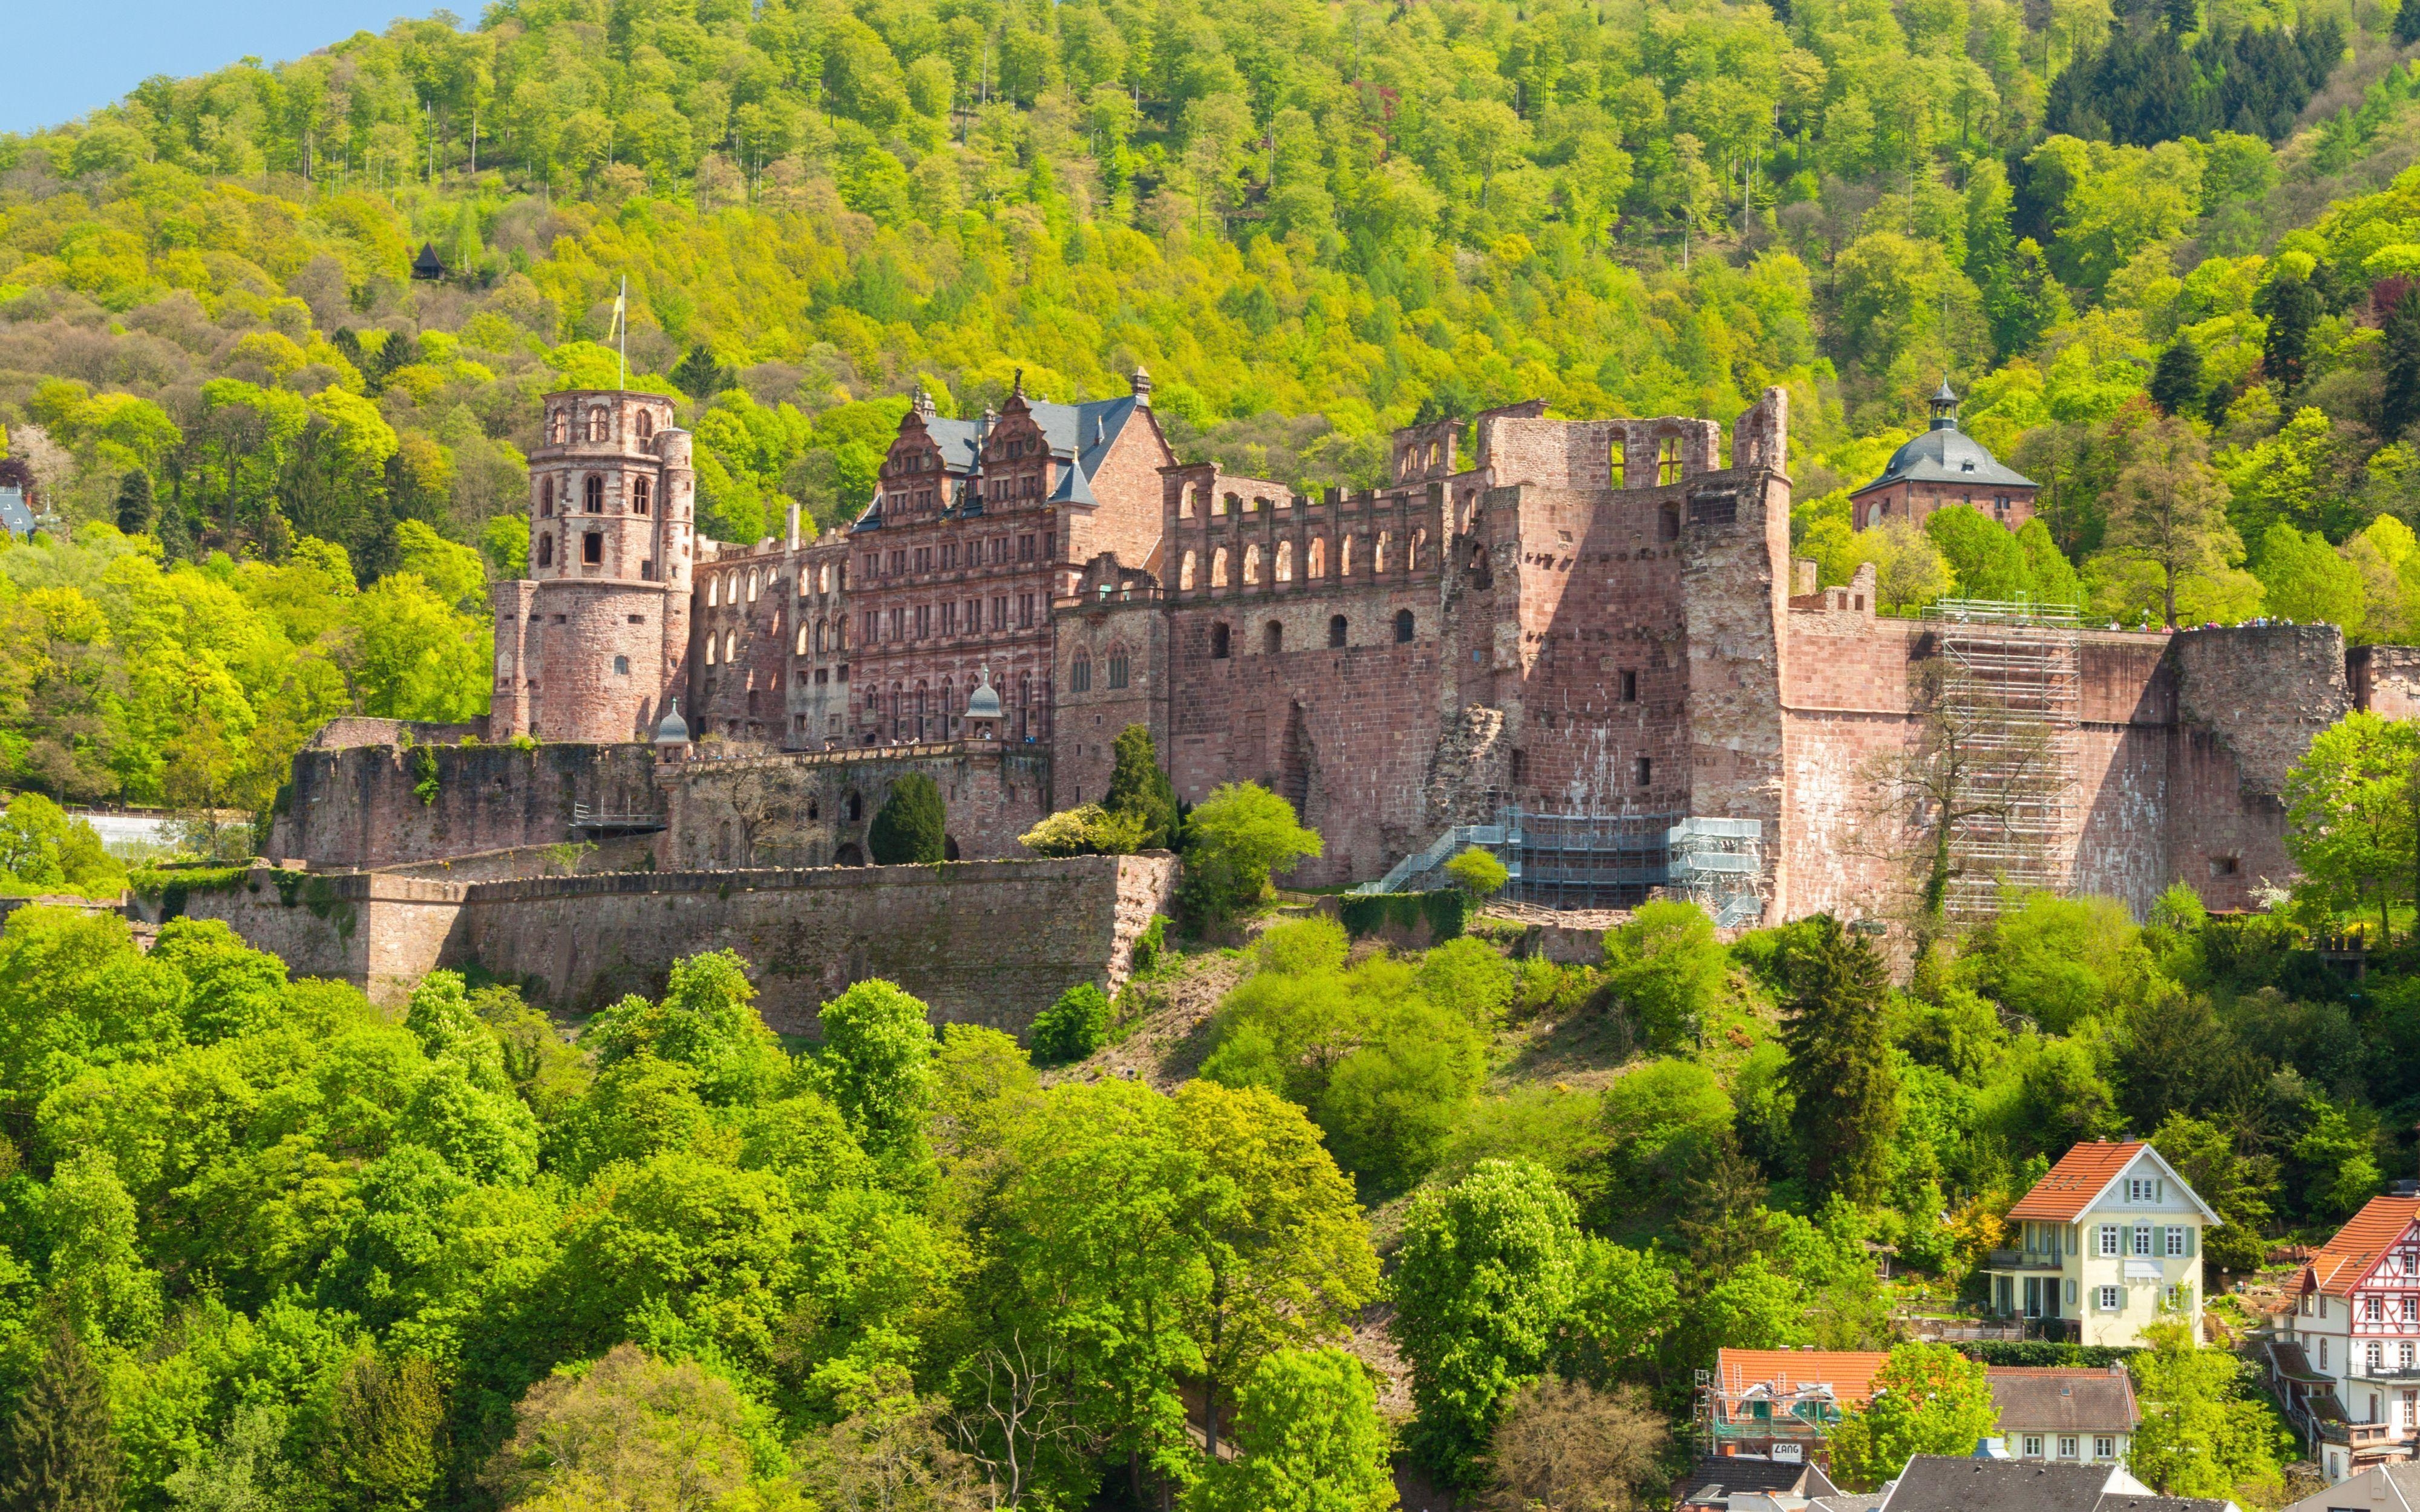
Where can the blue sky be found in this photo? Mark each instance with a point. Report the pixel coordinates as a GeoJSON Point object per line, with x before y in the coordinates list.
{"type": "Point", "coordinates": [69, 57]}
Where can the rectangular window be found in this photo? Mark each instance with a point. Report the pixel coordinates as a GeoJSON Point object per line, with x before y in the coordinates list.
{"type": "Point", "coordinates": [924, 559]}
{"type": "Point", "coordinates": [2033, 1446]}
{"type": "Point", "coordinates": [1000, 612]}
{"type": "Point", "coordinates": [1000, 548]}
{"type": "Point", "coordinates": [2109, 1244]}
{"type": "Point", "coordinates": [2111, 1300]}
{"type": "Point", "coordinates": [1630, 688]}
{"type": "Point", "coordinates": [2373, 1309]}
{"type": "Point", "coordinates": [1025, 612]}
{"type": "Point", "coordinates": [2177, 1240]}
{"type": "Point", "coordinates": [1642, 772]}
{"type": "Point", "coordinates": [874, 563]}
{"type": "Point", "coordinates": [949, 555]}
{"type": "Point", "coordinates": [870, 634]}
{"type": "Point", "coordinates": [896, 625]}
{"type": "Point", "coordinates": [2104, 1446]}
{"type": "Point", "coordinates": [924, 621]}
{"type": "Point", "coordinates": [1025, 549]}
{"type": "Point", "coordinates": [2066, 1446]}
{"type": "Point", "coordinates": [2143, 1239]}
{"type": "Point", "coordinates": [898, 562]}
{"type": "Point", "coordinates": [950, 617]}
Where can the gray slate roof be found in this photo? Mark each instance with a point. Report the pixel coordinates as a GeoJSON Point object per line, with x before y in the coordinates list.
{"type": "Point", "coordinates": [1945, 454]}
{"type": "Point", "coordinates": [2064, 1401]}
{"type": "Point", "coordinates": [1938, 1482]}
{"type": "Point", "coordinates": [2379, 1489]}
{"type": "Point", "coordinates": [14, 516]}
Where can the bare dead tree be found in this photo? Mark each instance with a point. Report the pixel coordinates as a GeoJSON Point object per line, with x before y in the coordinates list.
{"type": "Point", "coordinates": [759, 800]}
{"type": "Point", "coordinates": [1024, 1407]}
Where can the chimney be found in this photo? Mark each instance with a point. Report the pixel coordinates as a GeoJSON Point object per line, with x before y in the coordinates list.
{"type": "Point", "coordinates": [1141, 382]}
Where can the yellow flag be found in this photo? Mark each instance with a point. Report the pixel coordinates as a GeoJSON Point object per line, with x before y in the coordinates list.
{"type": "Point", "coordinates": [618, 304]}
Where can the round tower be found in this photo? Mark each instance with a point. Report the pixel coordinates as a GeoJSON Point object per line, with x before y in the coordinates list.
{"type": "Point", "coordinates": [613, 502]}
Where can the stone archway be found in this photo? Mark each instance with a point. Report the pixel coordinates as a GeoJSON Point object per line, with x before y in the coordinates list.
{"type": "Point", "coordinates": [849, 855]}
{"type": "Point", "coordinates": [949, 847]}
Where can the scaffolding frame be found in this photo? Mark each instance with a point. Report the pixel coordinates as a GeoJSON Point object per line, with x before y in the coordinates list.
{"type": "Point", "coordinates": [1587, 861]}
{"type": "Point", "coordinates": [2011, 688]}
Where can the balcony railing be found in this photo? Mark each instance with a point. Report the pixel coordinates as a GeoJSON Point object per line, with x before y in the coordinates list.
{"type": "Point", "coordinates": [2020, 1259]}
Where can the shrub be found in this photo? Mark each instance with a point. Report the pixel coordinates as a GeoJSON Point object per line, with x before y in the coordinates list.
{"type": "Point", "coordinates": [1478, 872]}
{"type": "Point", "coordinates": [1141, 792]}
{"type": "Point", "coordinates": [1242, 836]}
{"type": "Point", "coordinates": [1089, 830]}
{"type": "Point", "coordinates": [1072, 1028]}
{"type": "Point", "coordinates": [911, 826]}
{"type": "Point", "coordinates": [1150, 944]}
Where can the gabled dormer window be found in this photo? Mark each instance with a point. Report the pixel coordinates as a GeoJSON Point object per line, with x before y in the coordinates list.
{"type": "Point", "coordinates": [2144, 1188]}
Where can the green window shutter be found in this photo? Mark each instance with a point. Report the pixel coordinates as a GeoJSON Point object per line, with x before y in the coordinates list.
{"type": "Point", "coordinates": [2193, 1237]}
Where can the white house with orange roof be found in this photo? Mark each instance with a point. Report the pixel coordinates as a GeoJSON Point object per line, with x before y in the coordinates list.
{"type": "Point", "coordinates": [2107, 1242]}
{"type": "Point", "coordinates": [2346, 1355]}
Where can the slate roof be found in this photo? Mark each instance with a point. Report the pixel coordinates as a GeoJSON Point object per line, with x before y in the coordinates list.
{"type": "Point", "coordinates": [1938, 1483]}
{"type": "Point", "coordinates": [1077, 433]}
{"type": "Point", "coordinates": [2346, 1257]}
{"type": "Point", "coordinates": [2122, 1502]}
{"type": "Point", "coordinates": [1945, 454]}
{"type": "Point", "coordinates": [2379, 1489]}
{"type": "Point", "coordinates": [14, 516]}
{"type": "Point", "coordinates": [2034, 1399]}
{"type": "Point", "coordinates": [1742, 1472]}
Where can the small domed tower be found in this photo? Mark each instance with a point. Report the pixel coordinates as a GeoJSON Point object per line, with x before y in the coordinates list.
{"type": "Point", "coordinates": [593, 645]}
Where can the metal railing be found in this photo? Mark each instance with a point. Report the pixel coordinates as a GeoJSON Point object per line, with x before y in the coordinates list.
{"type": "Point", "coordinates": [1603, 861]}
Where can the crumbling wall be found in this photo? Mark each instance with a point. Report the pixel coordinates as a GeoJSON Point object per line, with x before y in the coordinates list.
{"type": "Point", "coordinates": [362, 806]}
{"type": "Point", "coordinates": [2385, 680]}
{"type": "Point", "coordinates": [382, 933]}
{"type": "Point", "coordinates": [805, 808]}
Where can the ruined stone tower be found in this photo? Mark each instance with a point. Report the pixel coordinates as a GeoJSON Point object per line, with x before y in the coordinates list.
{"type": "Point", "coordinates": [592, 644]}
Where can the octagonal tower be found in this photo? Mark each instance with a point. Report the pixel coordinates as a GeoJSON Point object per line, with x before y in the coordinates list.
{"type": "Point", "coordinates": [594, 641]}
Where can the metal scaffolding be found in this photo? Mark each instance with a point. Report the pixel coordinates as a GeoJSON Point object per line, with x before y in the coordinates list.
{"type": "Point", "coordinates": [2007, 711]}
{"type": "Point", "coordinates": [1571, 861]}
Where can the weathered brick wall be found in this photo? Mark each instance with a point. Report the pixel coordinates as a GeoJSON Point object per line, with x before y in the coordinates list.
{"type": "Point", "coordinates": [987, 942]}
{"type": "Point", "coordinates": [1097, 629]}
{"type": "Point", "coordinates": [813, 809]}
{"type": "Point", "coordinates": [2385, 680]}
{"type": "Point", "coordinates": [743, 634]}
{"type": "Point", "coordinates": [357, 808]}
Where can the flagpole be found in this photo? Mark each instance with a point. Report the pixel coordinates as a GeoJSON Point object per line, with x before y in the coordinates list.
{"type": "Point", "coordinates": [621, 318]}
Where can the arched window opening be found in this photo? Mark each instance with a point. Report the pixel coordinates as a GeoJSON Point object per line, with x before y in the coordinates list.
{"type": "Point", "coordinates": [546, 550]}
{"type": "Point", "coordinates": [1668, 523]}
{"type": "Point", "coordinates": [592, 549]}
{"type": "Point", "coordinates": [1315, 560]}
{"type": "Point", "coordinates": [545, 498]}
{"type": "Point", "coordinates": [646, 424]}
{"type": "Point", "coordinates": [1336, 631]}
{"type": "Point", "coordinates": [1420, 539]}
{"type": "Point", "coordinates": [1218, 643]}
{"type": "Point", "coordinates": [1403, 626]}
{"type": "Point", "coordinates": [710, 648]}
{"type": "Point", "coordinates": [1272, 639]}
{"type": "Point", "coordinates": [1185, 503]}
{"type": "Point", "coordinates": [555, 431]}
{"type": "Point", "coordinates": [752, 585]}
{"type": "Point", "coordinates": [1344, 557]}
{"type": "Point", "coordinates": [1118, 668]}
{"type": "Point", "coordinates": [855, 807]}
{"type": "Point", "coordinates": [1378, 553]}
{"type": "Point", "coordinates": [621, 666]}
{"type": "Point", "coordinates": [731, 645]}
{"type": "Point", "coordinates": [642, 495]}
{"type": "Point", "coordinates": [593, 494]}
{"type": "Point", "coordinates": [1285, 561]}
{"type": "Point", "coordinates": [1226, 504]}
{"type": "Point", "coordinates": [713, 591]}
{"type": "Point", "coordinates": [1251, 566]}
{"type": "Point", "coordinates": [1218, 568]}
{"type": "Point", "coordinates": [1079, 676]}
{"type": "Point", "coordinates": [802, 640]}
{"type": "Point", "coordinates": [597, 427]}
{"type": "Point", "coordinates": [1185, 574]}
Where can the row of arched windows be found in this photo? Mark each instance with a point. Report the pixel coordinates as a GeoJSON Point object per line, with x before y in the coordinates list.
{"type": "Point", "coordinates": [724, 588]}
{"type": "Point", "coordinates": [1273, 634]}
{"type": "Point", "coordinates": [1248, 566]}
{"type": "Point", "coordinates": [822, 636]}
{"type": "Point", "coordinates": [592, 494]}
{"type": "Point", "coordinates": [596, 425]}
{"type": "Point", "coordinates": [1080, 673]}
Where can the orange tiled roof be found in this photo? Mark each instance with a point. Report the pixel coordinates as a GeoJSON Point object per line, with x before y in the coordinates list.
{"type": "Point", "coordinates": [1850, 1373]}
{"type": "Point", "coordinates": [2345, 1258]}
{"type": "Point", "coordinates": [2082, 1174]}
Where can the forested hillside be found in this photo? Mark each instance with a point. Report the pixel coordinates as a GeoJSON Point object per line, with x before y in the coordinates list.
{"type": "Point", "coordinates": [2162, 248]}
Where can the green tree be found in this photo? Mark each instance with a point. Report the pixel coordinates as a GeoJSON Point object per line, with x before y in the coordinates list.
{"type": "Point", "coordinates": [2202, 1433]}
{"type": "Point", "coordinates": [61, 1452]}
{"type": "Point", "coordinates": [1478, 872]}
{"type": "Point", "coordinates": [1841, 1072]}
{"type": "Point", "coordinates": [2304, 579]}
{"type": "Point", "coordinates": [2399, 399]}
{"type": "Point", "coordinates": [1141, 788]}
{"type": "Point", "coordinates": [1240, 836]}
{"type": "Point", "coordinates": [1072, 1028]}
{"type": "Point", "coordinates": [387, 1446]}
{"type": "Point", "coordinates": [2176, 384]}
{"type": "Point", "coordinates": [1308, 1437]}
{"type": "Point", "coordinates": [629, 1430]}
{"type": "Point", "coordinates": [2242, 1187]}
{"type": "Point", "coordinates": [911, 826]}
{"type": "Point", "coordinates": [2350, 813]}
{"type": "Point", "coordinates": [2293, 308]}
{"type": "Point", "coordinates": [1668, 966]}
{"type": "Point", "coordinates": [1928, 1400]}
{"type": "Point", "coordinates": [877, 1065]}
{"type": "Point", "coordinates": [134, 507]}
{"type": "Point", "coordinates": [1487, 1271]}
{"type": "Point", "coordinates": [2169, 510]}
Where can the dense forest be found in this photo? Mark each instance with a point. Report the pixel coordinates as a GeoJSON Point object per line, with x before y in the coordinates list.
{"type": "Point", "coordinates": [263, 1245]}
{"type": "Point", "coordinates": [2161, 249]}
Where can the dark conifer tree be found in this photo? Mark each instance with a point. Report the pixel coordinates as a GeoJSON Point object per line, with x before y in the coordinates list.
{"type": "Point", "coordinates": [1139, 787]}
{"type": "Point", "coordinates": [1719, 1217]}
{"type": "Point", "coordinates": [135, 509]}
{"type": "Point", "coordinates": [2399, 404]}
{"type": "Point", "coordinates": [1841, 1068]}
{"type": "Point", "coordinates": [2176, 383]}
{"type": "Point", "coordinates": [2407, 23]}
{"type": "Point", "coordinates": [700, 376]}
{"type": "Point", "coordinates": [61, 1450]}
{"type": "Point", "coordinates": [2292, 308]}
{"type": "Point", "coordinates": [911, 826]}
